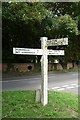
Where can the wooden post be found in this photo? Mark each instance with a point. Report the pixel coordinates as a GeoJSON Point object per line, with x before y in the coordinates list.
{"type": "Point", "coordinates": [38, 95]}
{"type": "Point", "coordinates": [44, 72]}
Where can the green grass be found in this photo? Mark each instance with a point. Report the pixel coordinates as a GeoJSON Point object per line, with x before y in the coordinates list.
{"type": "Point", "coordinates": [21, 104]}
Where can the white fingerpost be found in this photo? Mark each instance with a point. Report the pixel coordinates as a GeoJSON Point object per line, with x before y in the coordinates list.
{"type": "Point", "coordinates": [44, 61]}
{"type": "Point", "coordinates": [44, 72]}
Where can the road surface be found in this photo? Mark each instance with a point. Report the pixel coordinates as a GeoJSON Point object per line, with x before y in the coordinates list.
{"type": "Point", "coordinates": [67, 82]}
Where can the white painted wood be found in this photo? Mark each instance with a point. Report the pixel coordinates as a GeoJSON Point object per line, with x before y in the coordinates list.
{"type": "Point", "coordinates": [44, 72]}
{"type": "Point", "coordinates": [44, 60]}
{"type": "Point", "coordinates": [14, 51]}
{"type": "Point", "coordinates": [55, 52]}
{"type": "Point", "coordinates": [27, 51]}
{"type": "Point", "coordinates": [57, 42]}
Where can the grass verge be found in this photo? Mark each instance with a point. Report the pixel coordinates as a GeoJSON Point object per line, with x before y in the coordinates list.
{"type": "Point", "coordinates": [21, 104]}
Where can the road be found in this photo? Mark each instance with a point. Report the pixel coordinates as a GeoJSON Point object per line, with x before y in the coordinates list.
{"type": "Point", "coordinates": [67, 82]}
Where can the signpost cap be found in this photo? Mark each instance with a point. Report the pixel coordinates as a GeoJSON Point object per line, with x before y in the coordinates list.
{"type": "Point", "coordinates": [42, 38]}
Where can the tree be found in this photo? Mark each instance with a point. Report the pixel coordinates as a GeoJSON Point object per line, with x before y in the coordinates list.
{"type": "Point", "coordinates": [25, 23]}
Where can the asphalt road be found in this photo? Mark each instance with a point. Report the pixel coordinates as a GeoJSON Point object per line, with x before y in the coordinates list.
{"type": "Point", "coordinates": [67, 82]}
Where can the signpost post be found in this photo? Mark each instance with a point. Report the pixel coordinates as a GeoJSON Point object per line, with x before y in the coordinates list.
{"type": "Point", "coordinates": [44, 60]}
{"type": "Point", "coordinates": [44, 72]}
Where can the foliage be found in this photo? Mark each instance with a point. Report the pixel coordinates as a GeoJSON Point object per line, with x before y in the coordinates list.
{"type": "Point", "coordinates": [21, 104]}
{"type": "Point", "coordinates": [24, 23]}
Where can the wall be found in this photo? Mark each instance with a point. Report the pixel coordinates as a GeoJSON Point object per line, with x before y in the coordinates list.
{"type": "Point", "coordinates": [20, 67]}
{"type": "Point", "coordinates": [69, 65]}
{"type": "Point", "coordinates": [24, 67]}
{"type": "Point", "coordinates": [59, 67]}
{"type": "Point", "coordinates": [4, 67]}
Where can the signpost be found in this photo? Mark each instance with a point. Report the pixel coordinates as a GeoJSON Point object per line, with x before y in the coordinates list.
{"type": "Point", "coordinates": [44, 72]}
{"type": "Point", "coordinates": [44, 60]}
{"type": "Point", "coordinates": [57, 42]}
{"type": "Point", "coordinates": [28, 51]}
{"type": "Point", "coordinates": [55, 52]}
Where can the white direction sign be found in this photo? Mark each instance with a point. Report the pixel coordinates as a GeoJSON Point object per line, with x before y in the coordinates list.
{"type": "Point", "coordinates": [28, 51]}
{"type": "Point", "coordinates": [57, 42]}
{"type": "Point", "coordinates": [55, 52]}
